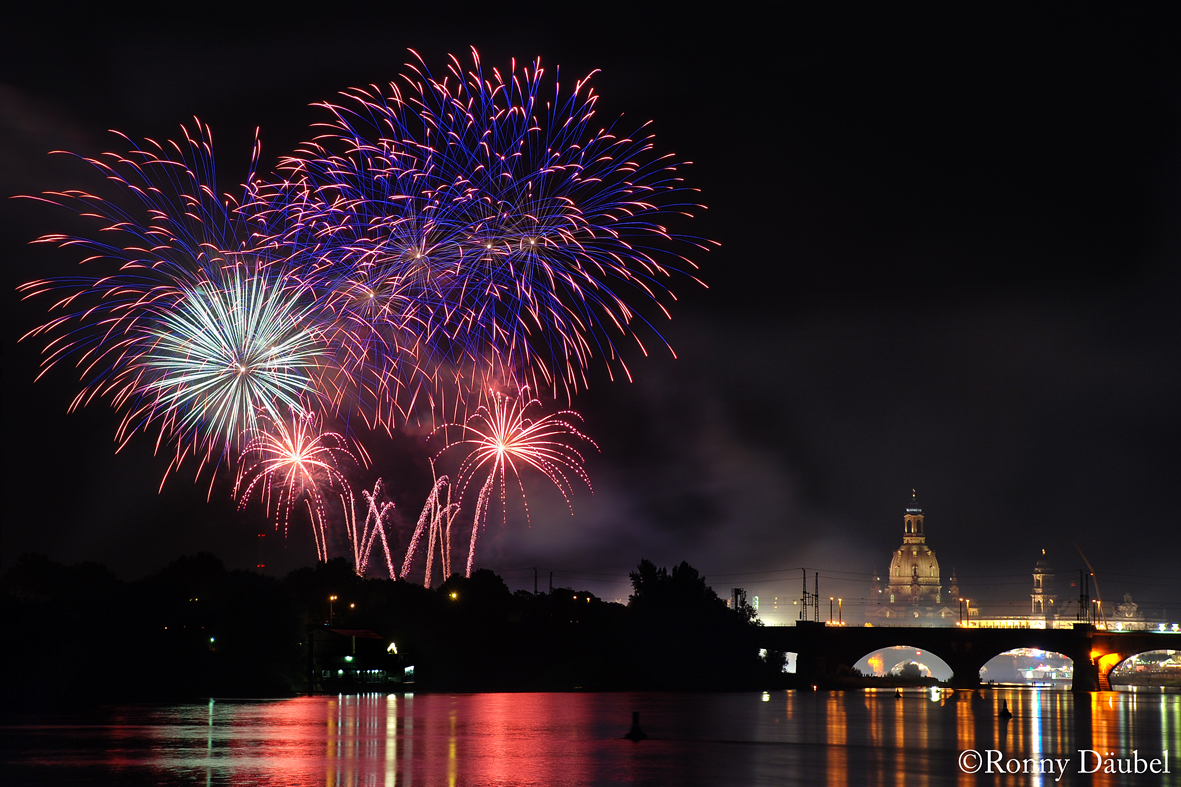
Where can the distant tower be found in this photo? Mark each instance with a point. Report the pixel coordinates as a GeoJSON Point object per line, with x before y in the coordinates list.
{"type": "Point", "coordinates": [914, 570]}
{"type": "Point", "coordinates": [953, 592]}
{"type": "Point", "coordinates": [1042, 601]}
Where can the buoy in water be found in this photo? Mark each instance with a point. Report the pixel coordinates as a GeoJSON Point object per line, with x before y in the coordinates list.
{"type": "Point", "coordinates": [635, 733]}
{"type": "Point", "coordinates": [1005, 713]}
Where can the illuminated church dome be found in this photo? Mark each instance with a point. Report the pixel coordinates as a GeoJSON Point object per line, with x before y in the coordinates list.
{"type": "Point", "coordinates": [914, 569]}
{"type": "Point", "coordinates": [912, 592]}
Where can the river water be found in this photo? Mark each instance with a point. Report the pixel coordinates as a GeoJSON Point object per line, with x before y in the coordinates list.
{"type": "Point", "coordinates": [837, 739]}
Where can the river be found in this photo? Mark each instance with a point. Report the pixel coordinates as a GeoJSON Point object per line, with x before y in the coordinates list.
{"type": "Point", "coordinates": [837, 739]}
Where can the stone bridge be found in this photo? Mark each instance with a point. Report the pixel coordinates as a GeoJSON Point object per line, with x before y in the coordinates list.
{"type": "Point", "coordinates": [821, 650]}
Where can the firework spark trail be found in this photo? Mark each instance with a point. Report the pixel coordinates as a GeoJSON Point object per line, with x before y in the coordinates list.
{"type": "Point", "coordinates": [291, 460]}
{"type": "Point", "coordinates": [443, 513]}
{"type": "Point", "coordinates": [363, 537]}
{"type": "Point", "coordinates": [435, 522]}
{"type": "Point", "coordinates": [504, 439]}
{"type": "Point", "coordinates": [423, 524]}
{"type": "Point", "coordinates": [480, 518]}
{"type": "Point", "coordinates": [378, 515]}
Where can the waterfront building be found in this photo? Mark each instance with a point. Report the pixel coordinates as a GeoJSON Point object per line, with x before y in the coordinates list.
{"type": "Point", "coordinates": [354, 661]}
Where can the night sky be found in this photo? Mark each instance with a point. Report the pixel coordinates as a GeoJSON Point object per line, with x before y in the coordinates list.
{"type": "Point", "coordinates": [949, 262]}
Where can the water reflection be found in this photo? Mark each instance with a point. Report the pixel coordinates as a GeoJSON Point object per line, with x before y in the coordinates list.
{"type": "Point", "coordinates": [835, 739]}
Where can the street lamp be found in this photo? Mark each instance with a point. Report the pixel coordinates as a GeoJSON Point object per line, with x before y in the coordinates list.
{"type": "Point", "coordinates": [330, 600]}
{"type": "Point", "coordinates": [840, 612]}
{"type": "Point", "coordinates": [961, 611]}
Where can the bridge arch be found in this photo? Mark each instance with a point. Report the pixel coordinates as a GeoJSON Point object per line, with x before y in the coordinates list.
{"type": "Point", "coordinates": [1027, 666]}
{"type": "Point", "coordinates": [891, 660]}
{"type": "Point", "coordinates": [1149, 668]}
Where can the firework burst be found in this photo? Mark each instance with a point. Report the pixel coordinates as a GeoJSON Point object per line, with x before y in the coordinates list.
{"type": "Point", "coordinates": [226, 354]}
{"type": "Point", "coordinates": [176, 321]}
{"type": "Point", "coordinates": [503, 439]}
{"type": "Point", "coordinates": [292, 461]}
{"type": "Point", "coordinates": [492, 223]}
{"type": "Point", "coordinates": [456, 234]}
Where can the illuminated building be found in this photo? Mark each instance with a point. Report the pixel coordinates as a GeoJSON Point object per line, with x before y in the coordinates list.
{"type": "Point", "coordinates": [1130, 616]}
{"type": "Point", "coordinates": [352, 661]}
{"type": "Point", "coordinates": [1044, 609]}
{"type": "Point", "coordinates": [913, 592]}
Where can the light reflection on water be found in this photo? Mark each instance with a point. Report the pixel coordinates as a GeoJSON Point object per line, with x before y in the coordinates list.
{"type": "Point", "coordinates": [837, 739]}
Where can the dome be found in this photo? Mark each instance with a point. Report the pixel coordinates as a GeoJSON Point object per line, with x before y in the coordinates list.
{"type": "Point", "coordinates": [914, 569]}
{"type": "Point", "coordinates": [911, 560]}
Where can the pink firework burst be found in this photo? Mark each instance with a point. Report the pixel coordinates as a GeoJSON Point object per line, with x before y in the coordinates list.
{"type": "Point", "coordinates": [505, 439]}
{"type": "Point", "coordinates": [289, 461]}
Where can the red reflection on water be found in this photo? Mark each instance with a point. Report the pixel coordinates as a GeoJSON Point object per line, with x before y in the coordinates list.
{"type": "Point", "coordinates": [437, 739]}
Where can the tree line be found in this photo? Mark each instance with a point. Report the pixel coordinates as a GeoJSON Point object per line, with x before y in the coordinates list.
{"type": "Point", "coordinates": [195, 629]}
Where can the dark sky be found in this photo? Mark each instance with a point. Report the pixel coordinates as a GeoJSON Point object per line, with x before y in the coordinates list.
{"type": "Point", "coordinates": [949, 262]}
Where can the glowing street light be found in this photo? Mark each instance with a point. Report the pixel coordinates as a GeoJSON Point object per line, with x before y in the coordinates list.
{"type": "Point", "coordinates": [330, 600]}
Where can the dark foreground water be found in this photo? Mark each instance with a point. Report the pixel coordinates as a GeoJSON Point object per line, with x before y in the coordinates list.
{"type": "Point", "coordinates": [836, 739]}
